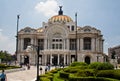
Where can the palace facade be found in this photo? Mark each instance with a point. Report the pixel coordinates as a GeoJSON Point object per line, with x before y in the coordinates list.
{"type": "Point", "coordinates": [60, 40]}
{"type": "Point", "coordinates": [114, 55]}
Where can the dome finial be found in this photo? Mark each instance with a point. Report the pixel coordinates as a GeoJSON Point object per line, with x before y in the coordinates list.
{"type": "Point", "coordinates": [60, 11]}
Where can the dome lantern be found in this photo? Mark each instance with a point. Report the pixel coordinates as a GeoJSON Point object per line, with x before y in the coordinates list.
{"type": "Point", "coordinates": [60, 17]}
{"type": "Point", "coordinates": [60, 11]}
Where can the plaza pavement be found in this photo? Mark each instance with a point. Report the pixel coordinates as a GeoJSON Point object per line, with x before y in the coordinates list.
{"type": "Point", "coordinates": [25, 75]}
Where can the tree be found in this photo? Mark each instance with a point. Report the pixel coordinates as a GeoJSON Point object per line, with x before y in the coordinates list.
{"type": "Point", "coordinates": [5, 56]}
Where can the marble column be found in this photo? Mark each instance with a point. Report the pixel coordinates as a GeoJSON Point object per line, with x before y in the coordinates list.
{"type": "Point", "coordinates": [19, 46]}
{"type": "Point", "coordinates": [45, 44]}
{"type": "Point", "coordinates": [58, 59]}
{"type": "Point", "coordinates": [45, 59]}
{"type": "Point", "coordinates": [32, 41]}
{"type": "Point", "coordinates": [64, 59]}
{"type": "Point", "coordinates": [48, 44]}
{"type": "Point", "coordinates": [93, 44]}
{"type": "Point", "coordinates": [102, 45]}
{"type": "Point", "coordinates": [81, 44]}
{"type": "Point", "coordinates": [22, 44]}
{"type": "Point", "coordinates": [50, 58]}
{"type": "Point", "coordinates": [96, 44]}
{"type": "Point", "coordinates": [63, 44]}
{"type": "Point", "coordinates": [78, 44]}
{"type": "Point", "coordinates": [68, 44]}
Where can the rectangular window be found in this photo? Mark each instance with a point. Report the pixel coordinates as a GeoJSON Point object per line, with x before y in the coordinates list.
{"type": "Point", "coordinates": [72, 28]}
{"type": "Point", "coordinates": [72, 44]}
{"type": "Point", "coordinates": [53, 46]}
{"type": "Point", "coordinates": [60, 46]}
{"type": "Point", "coordinates": [87, 43]}
{"type": "Point", "coordinates": [27, 41]}
{"type": "Point", "coordinates": [56, 46]}
{"type": "Point", "coordinates": [41, 43]}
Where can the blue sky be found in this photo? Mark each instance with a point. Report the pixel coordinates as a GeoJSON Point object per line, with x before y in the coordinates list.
{"type": "Point", "coordinates": [101, 14]}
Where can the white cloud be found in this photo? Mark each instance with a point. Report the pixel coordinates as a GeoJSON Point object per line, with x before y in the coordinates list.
{"type": "Point", "coordinates": [0, 30]}
{"type": "Point", "coordinates": [48, 8]}
{"type": "Point", "coordinates": [6, 43]}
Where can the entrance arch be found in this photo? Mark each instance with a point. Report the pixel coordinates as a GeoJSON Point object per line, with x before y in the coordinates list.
{"type": "Point", "coordinates": [54, 60]}
{"type": "Point", "coordinates": [87, 59]}
{"type": "Point", "coordinates": [26, 59]}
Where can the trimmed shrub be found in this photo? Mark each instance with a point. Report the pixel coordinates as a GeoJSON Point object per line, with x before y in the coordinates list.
{"type": "Point", "coordinates": [94, 65]}
{"type": "Point", "coordinates": [48, 77]}
{"type": "Point", "coordinates": [54, 71]}
{"type": "Point", "coordinates": [105, 66]}
{"type": "Point", "coordinates": [106, 73]}
{"type": "Point", "coordinates": [101, 66]}
{"type": "Point", "coordinates": [78, 64]}
{"type": "Point", "coordinates": [109, 73]}
{"type": "Point", "coordinates": [117, 74]}
{"type": "Point", "coordinates": [85, 73]}
{"type": "Point", "coordinates": [64, 75]}
{"type": "Point", "coordinates": [44, 79]}
{"type": "Point", "coordinates": [3, 66]}
{"type": "Point", "coordinates": [91, 79]}
{"type": "Point", "coordinates": [74, 69]}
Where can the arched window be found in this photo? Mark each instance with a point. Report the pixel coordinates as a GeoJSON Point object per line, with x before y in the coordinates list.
{"type": "Point", "coordinates": [87, 43]}
{"type": "Point", "coordinates": [26, 42]}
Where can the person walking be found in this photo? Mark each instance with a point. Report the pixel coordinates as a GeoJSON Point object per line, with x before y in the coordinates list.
{"type": "Point", "coordinates": [46, 68]}
{"type": "Point", "coordinates": [41, 70]}
{"type": "Point", "coordinates": [3, 76]}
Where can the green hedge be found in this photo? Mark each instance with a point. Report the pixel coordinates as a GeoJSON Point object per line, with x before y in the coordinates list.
{"type": "Point", "coordinates": [64, 75]}
{"type": "Point", "coordinates": [105, 66]}
{"type": "Point", "coordinates": [74, 69]}
{"type": "Point", "coordinates": [91, 79]}
{"type": "Point", "coordinates": [46, 77]}
{"type": "Point", "coordinates": [3, 66]}
{"type": "Point", "coordinates": [101, 66]}
{"type": "Point", "coordinates": [85, 73]}
{"type": "Point", "coordinates": [78, 64]}
{"type": "Point", "coordinates": [54, 71]}
{"type": "Point", "coordinates": [109, 73]}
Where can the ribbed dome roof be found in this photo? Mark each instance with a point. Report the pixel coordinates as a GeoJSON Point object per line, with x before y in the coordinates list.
{"type": "Point", "coordinates": [59, 18]}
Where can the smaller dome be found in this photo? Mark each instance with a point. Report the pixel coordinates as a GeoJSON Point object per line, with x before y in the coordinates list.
{"type": "Point", "coordinates": [59, 18]}
{"type": "Point", "coordinates": [40, 30]}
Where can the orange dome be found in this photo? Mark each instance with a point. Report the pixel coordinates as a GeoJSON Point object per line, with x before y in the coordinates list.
{"type": "Point", "coordinates": [59, 18]}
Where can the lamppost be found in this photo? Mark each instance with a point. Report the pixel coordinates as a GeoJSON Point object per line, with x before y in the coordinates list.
{"type": "Point", "coordinates": [18, 16]}
{"type": "Point", "coordinates": [38, 50]}
{"type": "Point", "coordinates": [76, 37]}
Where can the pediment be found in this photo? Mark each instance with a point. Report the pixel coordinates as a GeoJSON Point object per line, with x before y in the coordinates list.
{"type": "Point", "coordinates": [27, 30]}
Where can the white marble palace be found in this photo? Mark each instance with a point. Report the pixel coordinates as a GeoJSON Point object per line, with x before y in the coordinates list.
{"type": "Point", "coordinates": [60, 42]}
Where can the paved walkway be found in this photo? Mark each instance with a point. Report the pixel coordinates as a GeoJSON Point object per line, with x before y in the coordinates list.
{"type": "Point", "coordinates": [26, 75]}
